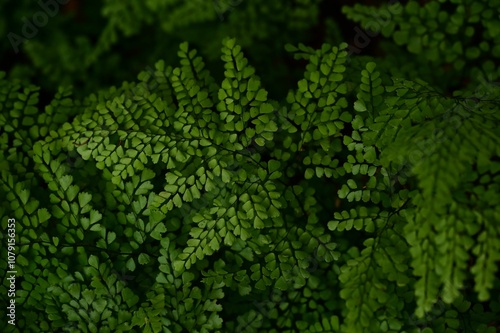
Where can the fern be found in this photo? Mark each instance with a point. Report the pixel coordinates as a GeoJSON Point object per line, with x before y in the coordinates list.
{"type": "Point", "coordinates": [363, 200]}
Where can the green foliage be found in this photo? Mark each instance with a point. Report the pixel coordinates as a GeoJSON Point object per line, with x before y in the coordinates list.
{"type": "Point", "coordinates": [458, 34]}
{"type": "Point", "coordinates": [364, 200]}
{"type": "Point", "coordinates": [64, 53]}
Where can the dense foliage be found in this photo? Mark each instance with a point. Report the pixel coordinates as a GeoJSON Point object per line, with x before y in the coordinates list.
{"type": "Point", "coordinates": [333, 187]}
